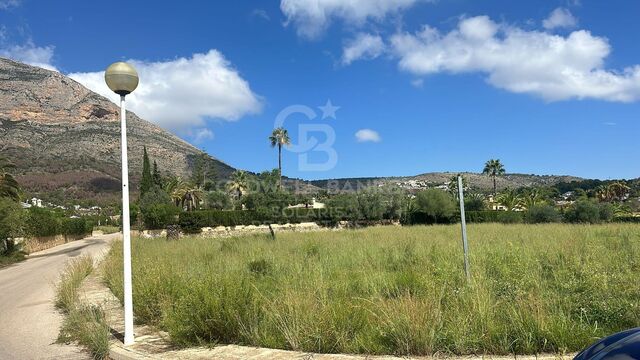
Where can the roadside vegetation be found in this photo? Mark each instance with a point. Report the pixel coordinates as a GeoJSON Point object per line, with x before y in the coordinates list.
{"type": "Point", "coordinates": [550, 288]}
{"type": "Point", "coordinates": [83, 324]}
{"type": "Point", "coordinates": [107, 229]}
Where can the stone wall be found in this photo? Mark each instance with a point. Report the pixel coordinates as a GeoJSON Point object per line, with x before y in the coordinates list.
{"type": "Point", "coordinates": [229, 231]}
{"type": "Point", "coordinates": [34, 244]}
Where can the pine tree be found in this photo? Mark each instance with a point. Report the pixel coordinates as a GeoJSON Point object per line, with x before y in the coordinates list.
{"type": "Point", "coordinates": [157, 178]}
{"type": "Point", "coordinates": [147, 181]}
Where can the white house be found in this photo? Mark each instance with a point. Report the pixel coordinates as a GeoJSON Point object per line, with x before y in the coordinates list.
{"type": "Point", "coordinates": [314, 205]}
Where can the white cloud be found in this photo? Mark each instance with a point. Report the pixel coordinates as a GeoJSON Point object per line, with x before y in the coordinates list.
{"type": "Point", "coordinates": [30, 54]}
{"type": "Point", "coordinates": [368, 135]}
{"type": "Point", "coordinates": [312, 17]}
{"type": "Point", "coordinates": [181, 94]}
{"type": "Point", "coordinates": [5, 4]}
{"type": "Point", "coordinates": [550, 66]}
{"type": "Point", "coordinates": [560, 18]}
{"type": "Point", "coordinates": [417, 83]}
{"type": "Point", "coordinates": [260, 13]}
{"type": "Point", "coordinates": [363, 46]}
{"type": "Point", "coordinates": [199, 136]}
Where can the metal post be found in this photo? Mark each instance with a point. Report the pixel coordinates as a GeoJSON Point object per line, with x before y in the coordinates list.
{"type": "Point", "coordinates": [463, 221]}
{"type": "Point", "coordinates": [126, 230]}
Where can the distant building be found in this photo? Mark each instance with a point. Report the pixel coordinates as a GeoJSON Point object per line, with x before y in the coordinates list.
{"type": "Point", "coordinates": [314, 205]}
{"type": "Point", "coordinates": [36, 202]}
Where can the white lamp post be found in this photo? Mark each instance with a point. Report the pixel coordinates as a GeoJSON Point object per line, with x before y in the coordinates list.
{"type": "Point", "coordinates": [122, 79]}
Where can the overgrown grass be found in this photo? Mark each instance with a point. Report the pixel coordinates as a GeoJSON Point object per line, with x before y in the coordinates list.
{"type": "Point", "coordinates": [87, 326]}
{"type": "Point", "coordinates": [72, 276]}
{"type": "Point", "coordinates": [536, 288]}
{"type": "Point", "coordinates": [83, 324]}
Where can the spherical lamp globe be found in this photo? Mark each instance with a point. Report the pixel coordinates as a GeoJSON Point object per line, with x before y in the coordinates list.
{"type": "Point", "coordinates": [121, 78]}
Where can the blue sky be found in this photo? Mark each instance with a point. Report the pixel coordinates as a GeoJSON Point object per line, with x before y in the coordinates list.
{"type": "Point", "coordinates": [548, 87]}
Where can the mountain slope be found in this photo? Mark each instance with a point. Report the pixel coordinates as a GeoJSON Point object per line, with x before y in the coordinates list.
{"type": "Point", "coordinates": [65, 138]}
{"type": "Point", "coordinates": [476, 181]}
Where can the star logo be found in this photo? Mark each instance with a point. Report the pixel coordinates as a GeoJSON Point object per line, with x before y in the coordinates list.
{"type": "Point", "coordinates": [329, 110]}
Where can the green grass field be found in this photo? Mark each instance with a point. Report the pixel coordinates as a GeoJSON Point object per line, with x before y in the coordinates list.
{"type": "Point", "coordinates": [391, 290]}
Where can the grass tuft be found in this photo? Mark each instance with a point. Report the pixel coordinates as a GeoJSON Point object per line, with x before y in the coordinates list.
{"type": "Point", "coordinates": [87, 326]}
{"type": "Point", "coordinates": [83, 324]}
{"type": "Point", "coordinates": [72, 276]}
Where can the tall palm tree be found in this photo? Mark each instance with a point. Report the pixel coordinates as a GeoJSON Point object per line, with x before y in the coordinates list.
{"type": "Point", "coordinates": [238, 183]}
{"type": "Point", "coordinates": [9, 187]}
{"type": "Point", "coordinates": [279, 137]}
{"type": "Point", "coordinates": [494, 168]}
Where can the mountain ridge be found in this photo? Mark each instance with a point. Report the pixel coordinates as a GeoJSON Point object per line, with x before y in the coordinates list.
{"type": "Point", "coordinates": [62, 136]}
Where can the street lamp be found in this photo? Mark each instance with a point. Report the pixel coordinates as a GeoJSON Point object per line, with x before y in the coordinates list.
{"type": "Point", "coordinates": [122, 79]}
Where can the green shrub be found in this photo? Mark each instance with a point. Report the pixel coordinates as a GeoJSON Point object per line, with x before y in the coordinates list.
{"type": "Point", "coordinates": [542, 214]}
{"type": "Point", "coordinates": [159, 216]}
{"type": "Point", "coordinates": [76, 226]}
{"type": "Point", "coordinates": [12, 219]}
{"type": "Point", "coordinates": [474, 203]}
{"type": "Point", "coordinates": [589, 211]}
{"type": "Point", "coordinates": [217, 200]}
{"type": "Point", "coordinates": [43, 222]}
{"type": "Point", "coordinates": [157, 210]}
{"type": "Point", "coordinates": [436, 205]}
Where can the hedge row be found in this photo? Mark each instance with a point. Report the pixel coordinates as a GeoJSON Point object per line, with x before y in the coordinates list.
{"type": "Point", "coordinates": [41, 222]}
{"type": "Point", "coordinates": [195, 220]}
{"type": "Point", "coordinates": [505, 217]}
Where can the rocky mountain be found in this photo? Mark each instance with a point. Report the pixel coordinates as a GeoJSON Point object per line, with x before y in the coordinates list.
{"type": "Point", "coordinates": [476, 181]}
{"type": "Point", "coordinates": [65, 139]}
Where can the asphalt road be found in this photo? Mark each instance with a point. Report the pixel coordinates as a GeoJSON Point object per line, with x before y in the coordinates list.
{"type": "Point", "coordinates": [29, 323]}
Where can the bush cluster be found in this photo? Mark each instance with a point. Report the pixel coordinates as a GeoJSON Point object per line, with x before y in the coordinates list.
{"type": "Point", "coordinates": [43, 222]}
{"type": "Point", "coordinates": [588, 211]}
